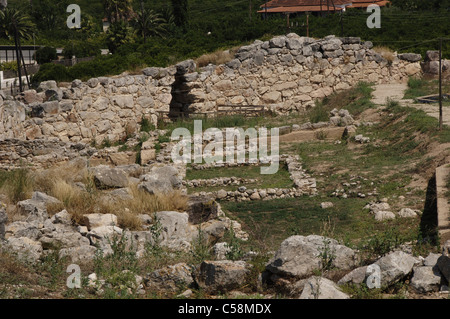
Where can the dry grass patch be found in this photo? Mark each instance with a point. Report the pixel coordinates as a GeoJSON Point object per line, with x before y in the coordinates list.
{"type": "Point", "coordinates": [385, 52]}
{"type": "Point", "coordinates": [217, 57]}
{"type": "Point", "coordinates": [74, 187]}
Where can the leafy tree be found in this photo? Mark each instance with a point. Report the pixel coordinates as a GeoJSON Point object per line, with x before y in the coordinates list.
{"type": "Point", "coordinates": [11, 19]}
{"type": "Point", "coordinates": [117, 10]}
{"type": "Point", "coordinates": [45, 55]}
{"type": "Point", "coordinates": [148, 23]}
{"type": "Point", "coordinates": [119, 33]}
{"type": "Point", "coordinates": [180, 12]}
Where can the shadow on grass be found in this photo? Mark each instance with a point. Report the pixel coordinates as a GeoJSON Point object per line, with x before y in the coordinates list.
{"type": "Point", "coordinates": [429, 220]}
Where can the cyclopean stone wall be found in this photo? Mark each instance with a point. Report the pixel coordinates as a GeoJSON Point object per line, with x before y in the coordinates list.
{"type": "Point", "coordinates": [287, 73]}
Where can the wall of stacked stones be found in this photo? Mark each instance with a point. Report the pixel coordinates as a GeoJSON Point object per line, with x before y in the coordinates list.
{"type": "Point", "coordinates": [287, 73]}
{"type": "Point", "coordinates": [80, 112]}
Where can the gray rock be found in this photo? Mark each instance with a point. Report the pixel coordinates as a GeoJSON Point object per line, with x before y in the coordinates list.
{"type": "Point", "coordinates": [47, 85]}
{"type": "Point", "coordinates": [25, 248]}
{"type": "Point", "coordinates": [431, 260]}
{"type": "Point", "coordinates": [299, 256]}
{"type": "Point", "coordinates": [322, 288]}
{"type": "Point", "coordinates": [410, 57]}
{"type": "Point", "coordinates": [258, 58]}
{"type": "Point", "coordinates": [443, 263]}
{"type": "Point", "coordinates": [152, 71]}
{"type": "Point", "coordinates": [432, 55]}
{"type": "Point", "coordinates": [221, 250]}
{"type": "Point", "coordinates": [426, 279]}
{"type": "Point", "coordinates": [407, 213]}
{"type": "Point", "coordinates": [278, 42]}
{"type": "Point", "coordinates": [184, 67]}
{"type": "Point", "coordinates": [92, 83]}
{"type": "Point", "coordinates": [384, 215]}
{"type": "Point", "coordinates": [395, 266]}
{"type": "Point", "coordinates": [234, 64]}
{"type": "Point", "coordinates": [222, 276]}
{"type": "Point", "coordinates": [76, 83]}
{"type": "Point", "coordinates": [102, 236]}
{"type": "Point", "coordinates": [351, 40]}
{"type": "Point", "coordinates": [326, 205]}
{"type": "Point", "coordinates": [106, 177]}
{"type": "Point", "coordinates": [34, 210]}
{"type": "Point", "coordinates": [175, 228]}
{"type": "Point", "coordinates": [202, 209]}
{"type": "Point", "coordinates": [79, 254]}
{"type": "Point", "coordinates": [161, 180]}
{"type": "Point", "coordinates": [356, 276]}
{"type": "Point", "coordinates": [92, 221]}
{"type": "Point", "coordinates": [63, 237]}
{"type": "Point", "coordinates": [170, 279]}
{"type": "Point", "coordinates": [19, 229]}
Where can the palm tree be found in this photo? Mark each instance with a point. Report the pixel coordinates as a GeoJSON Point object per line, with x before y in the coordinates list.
{"type": "Point", "coordinates": [16, 25]}
{"type": "Point", "coordinates": [148, 23]}
{"type": "Point", "coordinates": [117, 10]}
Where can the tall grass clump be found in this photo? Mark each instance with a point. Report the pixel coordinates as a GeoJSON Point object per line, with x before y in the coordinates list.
{"type": "Point", "coordinates": [18, 185]}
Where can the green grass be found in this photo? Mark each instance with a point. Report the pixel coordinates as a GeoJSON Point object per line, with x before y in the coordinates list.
{"type": "Point", "coordinates": [279, 180]}
{"type": "Point", "coordinates": [351, 224]}
{"type": "Point", "coordinates": [421, 87]}
{"type": "Point", "coordinates": [355, 100]}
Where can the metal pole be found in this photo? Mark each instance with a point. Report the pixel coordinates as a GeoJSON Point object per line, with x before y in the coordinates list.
{"type": "Point", "coordinates": [18, 56]}
{"type": "Point", "coordinates": [440, 84]}
{"type": "Point", "coordinates": [265, 14]}
{"type": "Point", "coordinates": [307, 24]}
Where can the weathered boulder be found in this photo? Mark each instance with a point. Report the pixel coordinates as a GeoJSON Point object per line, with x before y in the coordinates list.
{"type": "Point", "coordinates": [25, 248]}
{"type": "Point", "coordinates": [443, 263]}
{"type": "Point", "coordinates": [382, 215]}
{"type": "Point", "coordinates": [426, 279]}
{"type": "Point", "coordinates": [407, 213]}
{"type": "Point", "coordinates": [103, 236]}
{"type": "Point", "coordinates": [221, 250]}
{"type": "Point", "coordinates": [356, 276]}
{"type": "Point", "coordinates": [34, 210]}
{"type": "Point", "coordinates": [322, 288]}
{"type": "Point", "coordinates": [63, 217]}
{"type": "Point", "coordinates": [19, 229]}
{"type": "Point", "coordinates": [170, 279]}
{"type": "Point", "coordinates": [395, 266]}
{"type": "Point", "coordinates": [175, 229]}
{"type": "Point", "coordinates": [410, 57]}
{"type": "Point", "coordinates": [62, 236]}
{"type": "Point", "coordinates": [92, 221]}
{"type": "Point", "coordinates": [107, 177]}
{"type": "Point", "coordinates": [79, 254]}
{"type": "Point", "coordinates": [160, 179]}
{"type": "Point", "coordinates": [299, 256]}
{"type": "Point", "coordinates": [222, 276]}
{"type": "Point", "coordinates": [201, 209]}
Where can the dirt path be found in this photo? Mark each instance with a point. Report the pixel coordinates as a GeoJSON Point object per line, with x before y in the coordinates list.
{"type": "Point", "coordinates": [384, 91]}
{"type": "Point", "coordinates": [396, 92]}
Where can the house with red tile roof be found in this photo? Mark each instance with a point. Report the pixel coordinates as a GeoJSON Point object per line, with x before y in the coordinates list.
{"type": "Point", "coordinates": [316, 6]}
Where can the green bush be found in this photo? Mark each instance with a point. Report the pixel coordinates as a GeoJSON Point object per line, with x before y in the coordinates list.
{"type": "Point", "coordinates": [45, 55]}
{"type": "Point", "coordinates": [81, 49]}
{"type": "Point", "coordinates": [50, 71]}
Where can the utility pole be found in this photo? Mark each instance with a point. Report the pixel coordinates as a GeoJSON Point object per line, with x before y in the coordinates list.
{"type": "Point", "coordinates": [440, 84]}
{"type": "Point", "coordinates": [307, 24]}
{"type": "Point", "coordinates": [288, 25]}
{"type": "Point", "coordinates": [18, 56]}
{"type": "Point", "coordinates": [265, 14]}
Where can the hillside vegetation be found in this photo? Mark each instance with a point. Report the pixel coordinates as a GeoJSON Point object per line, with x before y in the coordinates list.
{"type": "Point", "coordinates": [212, 25]}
